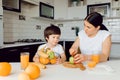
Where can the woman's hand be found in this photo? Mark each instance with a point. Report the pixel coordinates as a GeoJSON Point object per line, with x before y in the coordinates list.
{"type": "Point", "coordinates": [72, 51]}
{"type": "Point", "coordinates": [78, 58]}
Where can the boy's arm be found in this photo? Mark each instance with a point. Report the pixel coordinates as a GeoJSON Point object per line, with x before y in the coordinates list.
{"type": "Point", "coordinates": [63, 58]}
{"type": "Point", "coordinates": [36, 58]}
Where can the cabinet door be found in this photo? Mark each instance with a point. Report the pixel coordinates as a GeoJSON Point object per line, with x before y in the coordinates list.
{"type": "Point", "coordinates": [68, 45]}
{"type": "Point", "coordinates": [60, 7]}
{"type": "Point", "coordinates": [29, 49]}
{"type": "Point", "coordinates": [115, 51]}
{"type": "Point", "coordinates": [78, 12]}
{"type": "Point", "coordinates": [0, 3]}
{"type": "Point", "coordinates": [32, 49]}
{"type": "Point", "coordinates": [10, 55]}
{"type": "Point", "coordinates": [1, 26]}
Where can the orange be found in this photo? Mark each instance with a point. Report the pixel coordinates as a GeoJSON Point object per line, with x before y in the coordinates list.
{"type": "Point", "coordinates": [33, 71]}
{"type": "Point", "coordinates": [44, 60]}
{"type": "Point", "coordinates": [53, 61]}
{"type": "Point", "coordinates": [23, 76]}
{"type": "Point", "coordinates": [91, 64]}
{"type": "Point", "coordinates": [5, 68]}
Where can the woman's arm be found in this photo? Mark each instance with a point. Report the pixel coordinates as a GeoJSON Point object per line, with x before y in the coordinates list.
{"type": "Point", "coordinates": [106, 48]}
{"type": "Point", "coordinates": [74, 48]}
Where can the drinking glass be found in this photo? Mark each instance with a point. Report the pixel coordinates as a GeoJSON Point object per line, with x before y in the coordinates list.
{"type": "Point", "coordinates": [96, 58]}
{"type": "Point", "coordinates": [24, 59]}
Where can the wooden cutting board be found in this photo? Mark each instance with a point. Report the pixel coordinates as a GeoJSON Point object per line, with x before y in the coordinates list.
{"type": "Point", "coordinates": [69, 65]}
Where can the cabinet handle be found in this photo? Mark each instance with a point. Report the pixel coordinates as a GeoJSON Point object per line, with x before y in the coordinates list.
{"type": "Point", "coordinates": [13, 50]}
{"type": "Point", "coordinates": [26, 48]}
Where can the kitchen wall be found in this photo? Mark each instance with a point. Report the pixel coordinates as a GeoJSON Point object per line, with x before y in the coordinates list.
{"type": "Point", "coordinates": [15, 29]}
{"type": "Point", "coordinates": [69, 29]}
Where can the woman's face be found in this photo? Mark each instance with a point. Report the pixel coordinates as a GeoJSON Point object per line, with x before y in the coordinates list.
{"type": "Point", "coordinates": [90, 30]}
{"type": "Point", "coordinates": [53, 39]}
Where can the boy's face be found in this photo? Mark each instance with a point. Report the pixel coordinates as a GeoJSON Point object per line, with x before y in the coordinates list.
{"type": "Point", "coordinates": [53, 39]}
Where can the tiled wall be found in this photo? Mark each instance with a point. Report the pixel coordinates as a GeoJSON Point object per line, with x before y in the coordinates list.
{"type": "Point", "coordinates": [15, 29]}
{"type": "Point", "coordinates": [114, 27]}
{"type": "Point", "coordinates": [68, 29]}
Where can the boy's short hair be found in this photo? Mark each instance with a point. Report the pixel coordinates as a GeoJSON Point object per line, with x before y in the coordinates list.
{"type": "Point", "coordinates": [52, 29]}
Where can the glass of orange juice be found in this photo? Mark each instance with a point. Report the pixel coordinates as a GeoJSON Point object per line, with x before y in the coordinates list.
{"type": "Point", "coordinates": [24, 59]}
{"type": "Point", "coordinates": [96, 58]}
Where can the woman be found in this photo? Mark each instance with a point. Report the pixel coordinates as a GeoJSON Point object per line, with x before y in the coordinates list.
{"type": "Point", "coordinates": [95, 38]}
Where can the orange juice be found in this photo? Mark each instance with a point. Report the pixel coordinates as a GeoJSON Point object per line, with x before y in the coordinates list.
{"type": "Point", "coordinates": [91, 64]}
{"type": "Point", "coordinates": [24, 59]}
{"type": "Point", "coordinates": [96, 58]}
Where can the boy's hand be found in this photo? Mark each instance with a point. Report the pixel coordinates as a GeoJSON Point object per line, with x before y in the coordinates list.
{"type": "Point", "coordinates": [59, 61]}
{"type": "Point", "coordinates": [36, 59]}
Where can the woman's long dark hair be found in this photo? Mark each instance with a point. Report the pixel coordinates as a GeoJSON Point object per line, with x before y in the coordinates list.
{"type": "Point", "coordinates": [96, 20]}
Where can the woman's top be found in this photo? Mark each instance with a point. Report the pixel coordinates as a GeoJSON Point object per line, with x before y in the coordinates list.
{"type": "Point", "coordinates": [58, 49]}
{"type": "Point", "coordinates": [92, 45]}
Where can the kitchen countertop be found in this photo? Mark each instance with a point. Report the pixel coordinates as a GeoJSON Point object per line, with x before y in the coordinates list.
{"type": "Point", "coordinates": [23, 43]}
{"type": "Point", "coordinates": [59, 72]}
{"type": "Point", "coordinates": [19, 44]}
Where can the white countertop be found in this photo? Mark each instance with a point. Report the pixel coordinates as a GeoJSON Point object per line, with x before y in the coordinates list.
{"type": "Point", "coordinates": [20, 44]}
{"type": "Point", "coordinates": [23, 44]}
{"type": "Point", "coordinates": [59, 72]}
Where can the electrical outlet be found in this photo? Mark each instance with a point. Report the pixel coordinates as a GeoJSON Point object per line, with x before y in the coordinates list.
{"type": "Point", "coordinates": [22, 17]}
{"type": "Point", "coordinates": [60, 25]}
{"type": "Point", "coordinates": [38, 27]}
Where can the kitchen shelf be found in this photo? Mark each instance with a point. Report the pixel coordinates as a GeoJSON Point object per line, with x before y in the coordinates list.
{"type": "Point", "coordinates": [67, 20]}
{"type": "Point", "coordinates": [79, 3]}
{"type": "Point", "coordinates": [42, 18]}
{"type": "Point", "coordinates": [115, 7]}
{"type": "Point", "coordinates": [112, 18]}
{"type": "Point", "coordinates": [57, 20]}
{"type": "Point", "coordinates": [32, 2]}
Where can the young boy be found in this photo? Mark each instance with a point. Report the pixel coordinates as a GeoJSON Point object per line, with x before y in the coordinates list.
{"type": "Point", "coordinates": [52, 35]}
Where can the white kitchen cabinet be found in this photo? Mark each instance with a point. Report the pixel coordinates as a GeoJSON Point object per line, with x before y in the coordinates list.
{"type": "Point", "coordinates": [115, 50]}
{"type": "Point", "coordinates": [78, 12]}
{"type": "Point", "coordinates": [97, 1]}
{"type": "Point", "coordinates": [1, 26]}
{"type": "Point", "coordinates": [35, 10]}
{"type": "Point", "coordinates": [1, 32]}
{"type": "Point", "coordinates": [60, 9]}
{"type": "Point", "coordinates": [0, 3]}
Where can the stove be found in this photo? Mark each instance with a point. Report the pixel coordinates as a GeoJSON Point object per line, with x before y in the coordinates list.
{"type": "Point", "coordinates": [29, 40]}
